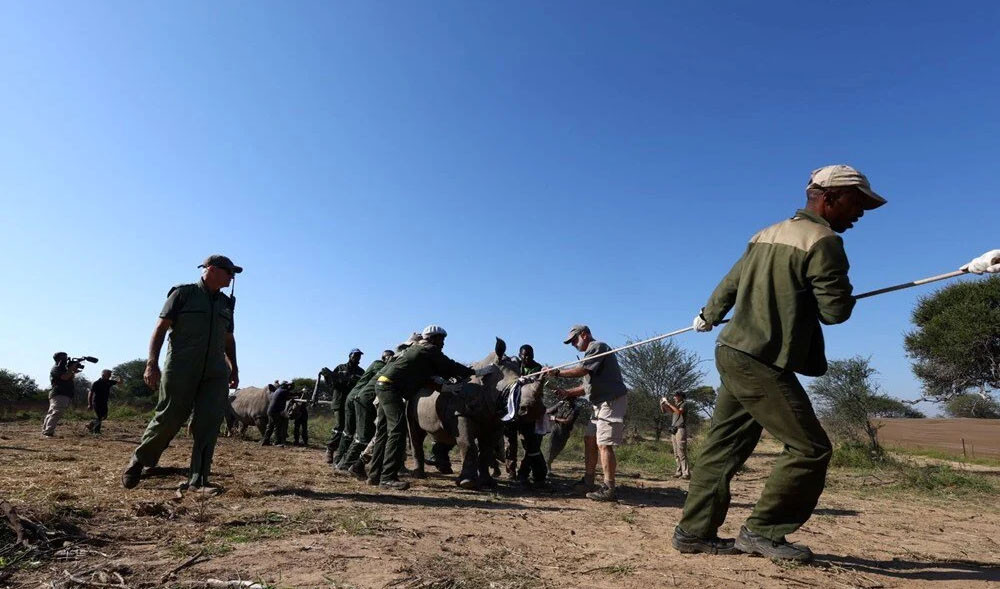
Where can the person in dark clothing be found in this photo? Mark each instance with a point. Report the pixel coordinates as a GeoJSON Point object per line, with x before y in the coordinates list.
{"type": "Point", "coordinates": [526, 354]}
{"type": "Point", "coordinates": [299, 414]}
{"type": "Point", "coordinates": [398, 382]}
{"type": "Point", "coordinates": [563, 416]}
{"type": "Point", "coordinates": [533, 464]}
{"type": "Point", "coordinates": [97, 400]}
{"type": "Point", "coordinates": [277, 421]}
{"type": "Point", "coordinates": [341, 380]}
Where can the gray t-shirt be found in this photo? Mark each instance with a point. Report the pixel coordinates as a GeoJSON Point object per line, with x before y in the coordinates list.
{"type": "Point", "coordinates": [604, 377]}
{"type": "Point", "coordinates": [679, 420]}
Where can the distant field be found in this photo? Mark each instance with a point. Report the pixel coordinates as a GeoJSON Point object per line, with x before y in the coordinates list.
{"type": "Point", "coordinates": [982, 436]}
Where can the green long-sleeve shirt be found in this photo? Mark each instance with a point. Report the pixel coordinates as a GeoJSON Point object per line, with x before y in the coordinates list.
{"type": "Point", "coordinates": [792, 277]}
{"type": "Point", "coordinates": [416, 366]}
{"type": "Point", "coordinates": [366, 378]}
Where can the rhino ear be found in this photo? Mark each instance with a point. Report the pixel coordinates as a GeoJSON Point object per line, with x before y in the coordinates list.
{"type": "Point", "coordinates": [501, 348]}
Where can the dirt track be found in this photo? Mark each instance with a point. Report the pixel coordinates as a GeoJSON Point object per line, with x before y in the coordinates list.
{"type": "Point", "coordinates": [982, 436]}
{"type": "Point", "coordinates": [286, 520]}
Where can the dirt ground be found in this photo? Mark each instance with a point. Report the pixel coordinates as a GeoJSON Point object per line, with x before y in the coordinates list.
{"type": "Point", "coordinates": [286, 521]}
{"type": "Point", "coordinates": [981, 436]}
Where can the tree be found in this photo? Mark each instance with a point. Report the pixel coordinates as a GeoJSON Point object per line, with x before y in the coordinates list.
{"type": "Point", "coordinates": [956, 343]}
{"type": "Point", "coordinates": [849, 400]}
{"type": "Point", "coordinates": [15, 386]}
{"type": "Point", "coordinates": [130, 381]}
{"type": "Point", "coordinates": [654, 370]}
{"type": "Point", "coordinates": [972, 406]}
{"type": "Point", "coordinates": [702, 399]}
{"type": "Point", "coordinates": [81, 388]}
{"type": "Point", "coordinates": [888, 408]}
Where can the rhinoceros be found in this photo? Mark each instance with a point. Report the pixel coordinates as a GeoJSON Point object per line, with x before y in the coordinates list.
{"type": "Point", "coordinates": [470, 417]}
{"type": "Point", "coordinates": [247, 407]}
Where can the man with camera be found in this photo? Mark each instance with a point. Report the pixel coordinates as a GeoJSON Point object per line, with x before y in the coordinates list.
{"type": "Point", "coordinates": [200, 367]}
{"type": "Point", "coordinates": [61, 378]}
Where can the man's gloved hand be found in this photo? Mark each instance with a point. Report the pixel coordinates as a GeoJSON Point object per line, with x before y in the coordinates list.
{"type": "Point", "coordinates": [988, 262]}
{"type": "Point", "coordinates": [488, 369]}
{"type": "Point", "coordinates": [700, 324]}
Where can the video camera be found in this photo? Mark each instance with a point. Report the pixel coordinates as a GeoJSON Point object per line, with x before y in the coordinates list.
{"type": "Point", "coordinates": [80, 361]}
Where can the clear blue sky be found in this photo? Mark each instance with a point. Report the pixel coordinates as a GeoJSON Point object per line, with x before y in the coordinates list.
{"type": "Point", "coordinates": [506, 168]}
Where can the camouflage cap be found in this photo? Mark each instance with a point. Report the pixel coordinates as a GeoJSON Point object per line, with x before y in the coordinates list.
{"type": "Point", "coordinates": [844, 175]}
{"type": "Point", "coordinates": [575, 331]}
{"type": "Point", "coordinates": [220, 261]}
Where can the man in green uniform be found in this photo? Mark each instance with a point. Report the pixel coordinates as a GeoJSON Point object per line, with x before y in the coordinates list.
{"type": "Point", "coordinates": [342, 380]}
{"type": "Point", "coordinates": [396, 384]}
{"type": "Point", "coordinates": [791, 278]}
{"type": "Point", "coordinates": [352, 412]}
{"type": "Point", "coordinates": [200, 366]}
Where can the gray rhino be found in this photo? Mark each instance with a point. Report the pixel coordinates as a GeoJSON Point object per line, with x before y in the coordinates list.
{"type": "Point", "coordinates": [247, 407]}
{"type": "Point", "coordinates": [470, 417]}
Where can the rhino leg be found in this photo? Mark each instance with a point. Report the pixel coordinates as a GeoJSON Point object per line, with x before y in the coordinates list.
{"type": "Point", "coordinates": [469, 477]}
{"type": "Point", "coordinates": [261, 423]}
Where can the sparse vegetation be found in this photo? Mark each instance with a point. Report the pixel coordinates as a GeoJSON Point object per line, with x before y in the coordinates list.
{"type": "Point", "coordinates": [904, 476]}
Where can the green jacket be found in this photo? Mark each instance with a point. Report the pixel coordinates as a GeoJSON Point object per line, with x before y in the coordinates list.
{"type": "Point", "coordinates": [366, 378]}
{"type": "Point", "coordinates": [201, 322]}
{"type": "Point", "coordinates": [418, 364]}
{"type": "Point", "coordinates": [792, 277]}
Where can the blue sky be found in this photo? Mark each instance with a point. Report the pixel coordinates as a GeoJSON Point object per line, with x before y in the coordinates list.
{"type": "Point", "coordinates": [497, 168]}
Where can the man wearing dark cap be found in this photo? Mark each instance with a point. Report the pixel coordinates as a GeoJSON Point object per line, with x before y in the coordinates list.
{"type": "Point", "coordinates": [352, 413]}
{"type": "Point", "coordinates": [277, 420]}
{"type": "Point", "coordinates": [604, 388]}
{"type": "Point", "coordinates": [200, 366]}
{"type": "Point", "coordinates": [791, 278]}
{"type": "Point", "coordinates": [341, 380]}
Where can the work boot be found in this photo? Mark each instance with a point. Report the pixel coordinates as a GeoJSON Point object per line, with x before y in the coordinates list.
{"type": "Point", "coordinates": [583, 486]}
{"type": "Point", "coordinates": [265, 442]}
{"type": "Point", "coordinates": [357, 470]}
{"type": "Point", "coordinates": [687, 544]}
{"type": "Point", "coordinates": [753, 543]}
{"type": "Point", "coordinates": [686, 476]}
{"type": "Point", "coordinates": [340, 470]}
{"type": "Point", "coordinates": [132, 474]}
{"type": "Point", "coordinates": [372, 482]}
{"type": "Point", "coordinates": [605, 493]}
{"type": "Point", "coordinates": [396, 485]}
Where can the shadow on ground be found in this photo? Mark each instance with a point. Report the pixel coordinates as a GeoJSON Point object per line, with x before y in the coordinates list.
{"type": "Point", "coordinates": [409, 498]}
{"type": "Point", "coordinates": [930, 570]}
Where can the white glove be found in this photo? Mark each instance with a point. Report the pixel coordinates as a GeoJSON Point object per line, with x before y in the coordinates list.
{"type": "Point", "coordinates": [700, 324]}
{"type": "Point", "coordinates": [488, 369]}
{"type": "Point", "coordinates": [988, 262]}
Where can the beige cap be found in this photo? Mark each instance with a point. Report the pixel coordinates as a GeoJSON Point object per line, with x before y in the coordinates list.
{"type": "Point", "coordinates": [575, 331]}
{"type": "Point", "coordinates": [844, 175]}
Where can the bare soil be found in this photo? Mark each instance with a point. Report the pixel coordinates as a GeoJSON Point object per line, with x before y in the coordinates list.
{"type": "Point", "coordinates": [285, 520]}
{"type": "Point", "coordinates": [981, 436]}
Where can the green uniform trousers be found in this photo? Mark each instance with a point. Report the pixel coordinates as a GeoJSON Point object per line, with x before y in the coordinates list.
{"type": "Point", "coordinates": [389, 452]}
{"type": "Point", "coordinates": [364, 429]}
{"type": "Point", "coordinates": [337, 403]}
{"type": "Point", "coordinates": [183, 395]}
{"type": "Point", "coordinates": [756, 396]}
{"type": "Point", "coordinates": [349, 431]}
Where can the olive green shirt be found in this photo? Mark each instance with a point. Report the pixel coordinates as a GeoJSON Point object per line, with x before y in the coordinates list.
{"type": "Point", "coordinates": [792, 278]}
{"type": "Point", "coordinates": [366, 378]}
{"type": "Point", "coordinates": [418, 364]}
{"type": "Point", "coordinates": [200, 323]}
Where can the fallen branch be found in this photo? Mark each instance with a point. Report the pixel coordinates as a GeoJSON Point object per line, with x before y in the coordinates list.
{"type": "Point", "coordinates": [189, 562]}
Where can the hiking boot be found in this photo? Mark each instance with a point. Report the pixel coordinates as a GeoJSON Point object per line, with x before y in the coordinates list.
{"type": "Point", "coordinates": [677, 475]}
{"type": "Point", "coordinates": [468, 484]}
{"type": "Point", "coordinates": [340, 470]}
{"type": "Point", "coordinates": [686, 476]}
{"type": "Point", "coordinates": [265, 442]}
{"type": "Point", "coordinates": [753, 543]}
{"type": "Point", "coordinates": [329, 456]}
{"type": "Point", "coordinates": [396, 485]}
{"type": "Point", "coordinates": [357, 470]}
{"type": "Point", "coordinates": [582, 486]}
{"type": "Point", "coordinates": [605, 493]}
{"type": "Point", "coordinates": [132, 474]}
{"type": "Point", "coordinates": [687, 544]}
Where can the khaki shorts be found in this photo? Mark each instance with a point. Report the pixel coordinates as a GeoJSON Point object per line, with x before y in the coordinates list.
{"type": "Point", "coordinates": [608, 424]}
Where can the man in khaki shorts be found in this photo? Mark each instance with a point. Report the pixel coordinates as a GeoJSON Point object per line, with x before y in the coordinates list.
{"type": "Point", "coordinates": [604, 388]}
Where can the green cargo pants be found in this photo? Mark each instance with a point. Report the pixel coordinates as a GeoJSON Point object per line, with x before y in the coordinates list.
{"type": "Point", "coordinates": [182, 395]}
{"type": "Point", "coordinates": [756, 396]}
{"type": "Point", "coordinates": [389, 452]}
{"type": "Point", "coordinates": [337, 402]}
{"type": "Point", "coordinates": [350, 428]}
{"type": "Point", "coordinates": [364, 428]}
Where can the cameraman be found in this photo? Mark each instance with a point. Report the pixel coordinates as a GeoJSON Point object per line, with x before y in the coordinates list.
{"type": "Point", "coordinates": [61, 395]}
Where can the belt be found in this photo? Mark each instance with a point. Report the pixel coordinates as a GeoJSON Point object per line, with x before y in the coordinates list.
{"type": "Point", "coordinates": [385, 379]}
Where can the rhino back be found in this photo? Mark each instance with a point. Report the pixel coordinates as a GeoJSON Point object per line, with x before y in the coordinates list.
{"type": "Point", "coordinates": [250, 402]}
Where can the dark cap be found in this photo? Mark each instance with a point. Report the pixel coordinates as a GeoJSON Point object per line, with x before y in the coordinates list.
{"type": "Point", "coordinates": [575, 331]}
{"type": "Point", "coordinates": [220, 261]}
{"type": "Point", "coordinates": [356, 351]}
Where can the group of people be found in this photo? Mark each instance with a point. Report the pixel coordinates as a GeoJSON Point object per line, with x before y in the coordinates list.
{"type": "Point", "coordinates": [62, 382]}
{"type": "Point", "coordinates": [791, 279]}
